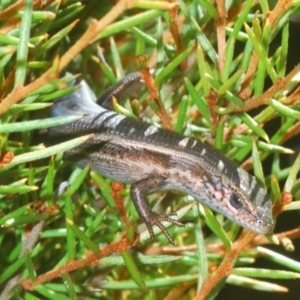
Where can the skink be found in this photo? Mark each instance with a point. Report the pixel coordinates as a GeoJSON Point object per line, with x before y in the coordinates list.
{"type": "Point", "coordinates": [151, 159]}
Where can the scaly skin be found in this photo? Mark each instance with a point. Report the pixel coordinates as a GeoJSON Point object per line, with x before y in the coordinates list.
{"type": "Point", "coordinates": [151, 159]}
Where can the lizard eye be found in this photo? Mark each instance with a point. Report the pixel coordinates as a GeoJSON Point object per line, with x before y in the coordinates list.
{"type": "Point", "coordinates": [235, 201]}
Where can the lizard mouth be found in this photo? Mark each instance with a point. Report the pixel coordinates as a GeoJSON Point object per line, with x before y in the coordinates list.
{"type": "Point", "coordinates": [260, 222]}
{"type": "Point", "coordinates": [265, 220]}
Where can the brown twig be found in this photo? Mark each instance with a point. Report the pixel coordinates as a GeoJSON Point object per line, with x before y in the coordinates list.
{"type": "Point", "coordinates": [14, 22]}
{"type": "Point", "coordinates": [11, 10]}
{"type": "Point", "coordinates": [291, 132]}
{"type": "Point", "coordinates": [28, 244]}
{"type": "Point", "coordinates": [273, 16]}
{"type": "Point", "coordinates": [153, 90]}
{"type": "Point", "coordinates": [281, 7]}
{"type": "Point", "coordinates": [173, 13]}
{"type": "Point", "coordinates": [72, 265]}
{"type": "Point", "coordinates": [117, 187]}
{"type": "Point", "coordinates": [267, 95]}
{"type": "Point", "coordinates": [91, 33]}
{"type": "Point", "coordinates": [212, 100]}
{"type": "Point", "coordinates": [244, 92]}
{"type": "Point", "coordinates": [221, 35]}
{"type": "Point", "coordinates": [293, 97]}
{"type": "Point", "coordinates": [6, 158]}
{"type": "Point", "coordinates": [219, 247]}
{"type": "Point", "coordinates": [225, 267]}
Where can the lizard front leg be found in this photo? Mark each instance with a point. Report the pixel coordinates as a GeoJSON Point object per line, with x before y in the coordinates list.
{"type": "Point", "coordinates": [138, 193]}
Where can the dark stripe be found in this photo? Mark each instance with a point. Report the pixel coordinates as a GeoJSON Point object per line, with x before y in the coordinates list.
{"type": "Point", "coordinates": [254, 192]}
{"type": "Point", "coordinates": [127, 124]}
{"type": "Point", "coordinates": [250, 179]}
{"type": "Point", "coordinates": [231, 170]}
{"type": "Point", "coordinates": [108, 119]}
{"type": "Point", "coordinates": [190, 143]}
{"type": "Point", "coordinates": [235, 177]}
{"type": "Point", "coordinates": [265, 200]}
{"type": "Point", "coordinates": [94, 145]}
{"type": "Point", "coordinates": [98, 116]}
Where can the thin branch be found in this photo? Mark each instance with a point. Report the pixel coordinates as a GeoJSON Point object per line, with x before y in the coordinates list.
{"type": "Point", "coordinates": [221, 35]}
{"type": "Point", "coordinates": [11, 10]}
{"type": "Point", "coordinates": [225, 267]}
{"type": "Point", "coordinates": [291, 132]}
{"type": "Point", "coordinates": [267, 95]}
{"type": "Point", "coordinates": [72, 265]}
{"type": "Point", "coordinates": [91, 33]}
{"type": "Point", "coordinates": [28, 245]}
{"type": "Point", "coordinates": [281, 7]}
{"type": "Point", "coordinates": [252, 68]}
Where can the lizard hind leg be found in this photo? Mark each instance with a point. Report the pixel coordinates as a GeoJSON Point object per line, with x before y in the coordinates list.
{"type": "Point", "coordinates": [121, 90]}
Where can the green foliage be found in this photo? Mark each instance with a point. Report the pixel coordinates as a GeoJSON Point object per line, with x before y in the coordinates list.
{"type": "Point", "coordinates": [62, 235]}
